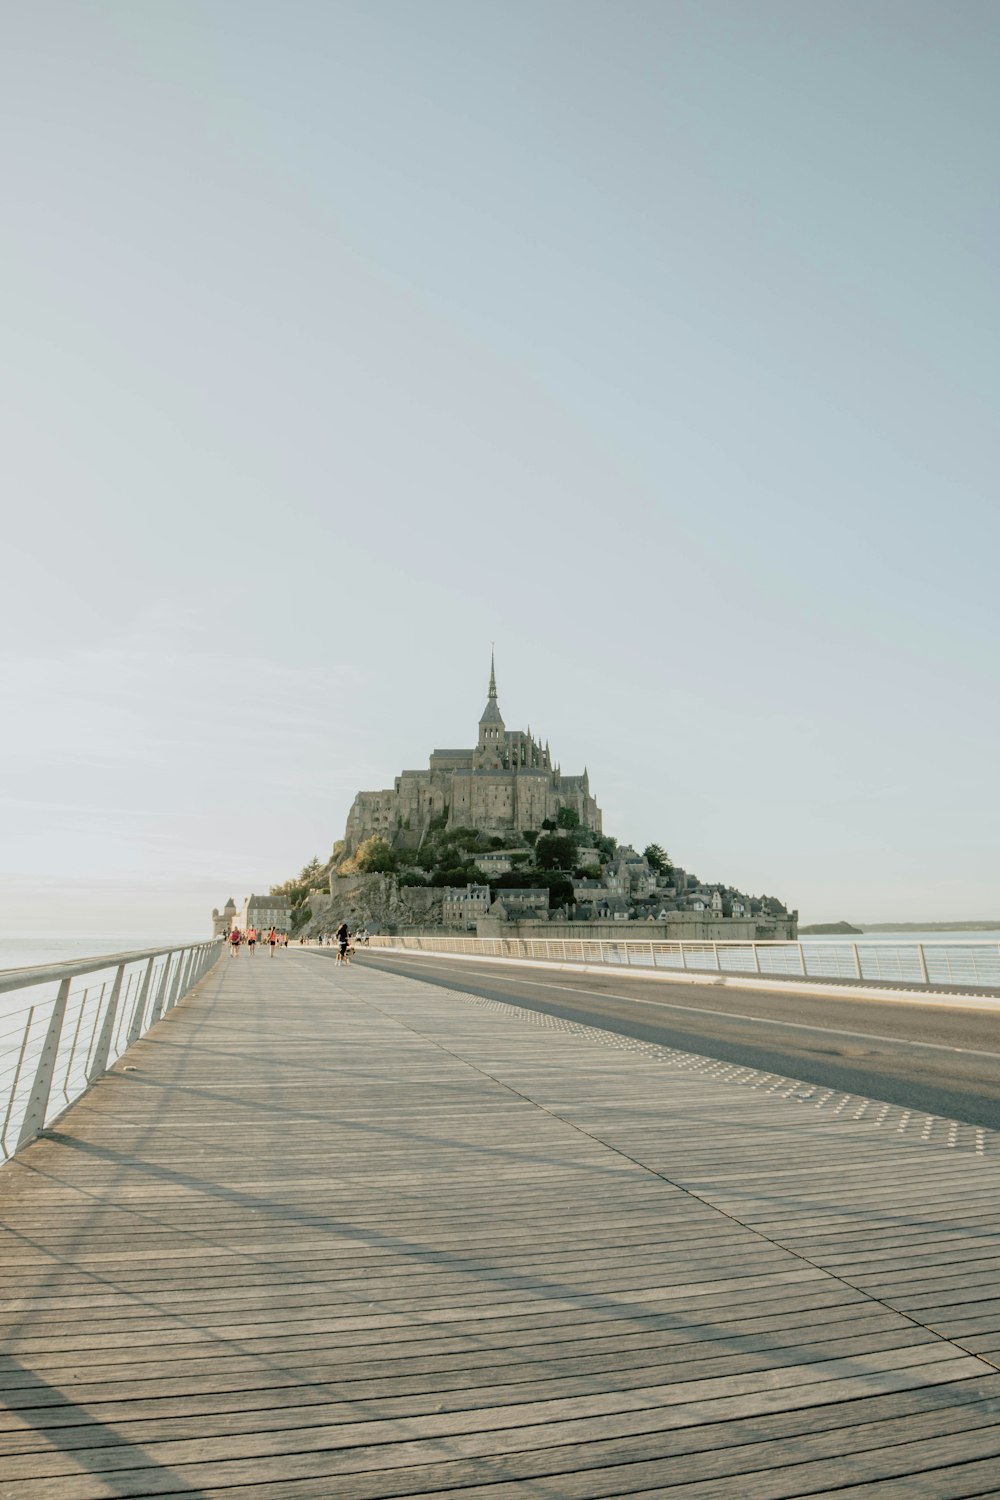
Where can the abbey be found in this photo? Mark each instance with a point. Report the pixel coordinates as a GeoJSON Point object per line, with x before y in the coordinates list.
{"type": "Point", "coordinates": [506, 784]}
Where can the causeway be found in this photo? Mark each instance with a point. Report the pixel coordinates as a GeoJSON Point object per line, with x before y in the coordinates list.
{"type": "Point", "coordinates": [339, 1233]}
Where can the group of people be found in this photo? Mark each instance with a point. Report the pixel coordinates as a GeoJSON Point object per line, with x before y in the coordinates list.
{"type": "Point", "coordinates": [343, 939]}
{"type": "Point", "coordinates": [343, 936]}
{"type": "Point", "coordinates": [250, 938]}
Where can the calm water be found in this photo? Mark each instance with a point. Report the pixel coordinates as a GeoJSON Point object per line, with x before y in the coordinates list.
{"type": "Point", "coordinates": [993, 936]}
{"type": "Point", "coordinates": [41, 948]}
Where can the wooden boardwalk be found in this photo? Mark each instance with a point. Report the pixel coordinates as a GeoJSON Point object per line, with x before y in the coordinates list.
{"type": "Point", "coordinates": [341, 1234]}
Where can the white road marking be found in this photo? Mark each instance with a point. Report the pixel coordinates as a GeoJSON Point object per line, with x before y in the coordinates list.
{"type": "Point", "coordinates": [730, 1015]}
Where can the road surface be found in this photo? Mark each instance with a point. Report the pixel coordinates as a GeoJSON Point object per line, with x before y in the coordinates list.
{"type": "Point", "coordinates": [944, 1060]}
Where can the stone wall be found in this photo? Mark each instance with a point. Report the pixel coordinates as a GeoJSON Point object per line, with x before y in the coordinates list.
{"type": "Point", "coordinates": [698, 927]}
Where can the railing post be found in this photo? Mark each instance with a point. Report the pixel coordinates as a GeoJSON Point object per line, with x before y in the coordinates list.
{"type": "Point", "coordinates": [802, 962]}
{"type": "Point", "coordinates": [684, 957]}
{"type": "Point", "coordinates": [38, 1103]}
{"type": "Point", "coordinates": [99, 1061]}
{"type": "Point", "coordinates": [189, 968]}
{"type": "Point", "coordinates": [140, 1005]}
{"type": "Point", "coordinates": [756, 957]}
{"type": "Point", "coordinates": [159, 1003]}
{"type": "Point", "coordinates": [715, 955]}
{"type": "Point", "coordinates": [177, 989]}
{"type": "Point", "coordinates": [17, 1079]}
{"type": "Point", "coordinates": [72, 1051]}
{"type": "Point", "coordinates": [923, 963]}
{"type": "Point", "coordinates": [194, 966]}
{"type": "Point", "coordinates": [857, 961]}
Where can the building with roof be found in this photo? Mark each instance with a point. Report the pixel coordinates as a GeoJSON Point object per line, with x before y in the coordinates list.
{"type": "Point", "coordinates": [507, 783]}
{"type": "Point", "coordinates": [264, 912]}
{"type": "Point", "coordinates": [462, 907]}
{"type": "Point", "coordinates": [224, 921]}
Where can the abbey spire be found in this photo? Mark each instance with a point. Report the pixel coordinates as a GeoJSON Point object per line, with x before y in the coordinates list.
{"type": "Point", "coordinates": [491, 725]}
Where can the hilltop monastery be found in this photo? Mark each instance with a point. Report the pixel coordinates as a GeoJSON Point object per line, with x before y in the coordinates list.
{"type": "Point", "coordinates": [506, 784]}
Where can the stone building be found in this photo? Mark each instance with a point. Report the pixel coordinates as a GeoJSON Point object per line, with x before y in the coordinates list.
{"type": "Point", "coordinates": [262, 912]}
{"type": "Point", "coordinates": [522, 903]}
{"type": "Point", "coordinates": [224, 921]}
{"type": "Point", "coordinates": [462, 906]}
{"type": "Point", "coordinates": [507, 783]}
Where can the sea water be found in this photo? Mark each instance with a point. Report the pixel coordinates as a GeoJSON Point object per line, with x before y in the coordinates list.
{"type": "Point", "coordinates": [992, 936]}
{"type": "Point", "coordinates": [26, 952]}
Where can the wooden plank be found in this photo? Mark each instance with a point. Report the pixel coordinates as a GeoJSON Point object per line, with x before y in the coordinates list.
{"type": "Point", "coordinates": [342, 1232]}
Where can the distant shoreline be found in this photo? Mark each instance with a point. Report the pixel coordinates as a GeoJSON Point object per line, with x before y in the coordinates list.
{"type": "Point", "coordinates": [984, 926]}
{"type": "Point", "coordinates": [819, 929]}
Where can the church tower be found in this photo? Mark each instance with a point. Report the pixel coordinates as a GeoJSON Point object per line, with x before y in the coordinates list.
{"type": "Point", "coordinates": [492, 733]}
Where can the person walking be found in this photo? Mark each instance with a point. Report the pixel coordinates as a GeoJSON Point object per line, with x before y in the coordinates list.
{"type": "Point", "coordinates": [252, 941]}
{"type": "Point", "coordinates": [343, 937]}
{"type": "Point", "coordinates": [234, 943]}
{"type": "Point", "coordinates": [272, 940]}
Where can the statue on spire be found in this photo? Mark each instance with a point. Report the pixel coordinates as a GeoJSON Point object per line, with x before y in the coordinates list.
{"type": "Point", "coordinates": [493, 675]}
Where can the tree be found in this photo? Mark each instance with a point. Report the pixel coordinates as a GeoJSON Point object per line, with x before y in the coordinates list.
{"type": "Point", "coordinates": [517, 879]}
{"type": "Point", "coordinates": [567, 817]}
{"type": "Point", "coordinates": [460, 875]}
{"type": "Point", "coordinates": [560, 891]}
{"type": "Point", "coordinates": [555, 851]}
{"type": "Point", "coordinates": [657, 859]}
{"type": "Point", "coordinates": [375, 856]}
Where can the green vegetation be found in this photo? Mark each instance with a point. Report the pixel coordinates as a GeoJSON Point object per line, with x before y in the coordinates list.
{"type": "Point", "coordinates": [554, 851]}
{"type": "Point", "coordinates": [658, 859]}
{"type": "Point", "coordinates": [375, 857]}
{"type": "Point", "coordinates": [312, 876]}
{"type": "Point", "coordinates": [549, 859]}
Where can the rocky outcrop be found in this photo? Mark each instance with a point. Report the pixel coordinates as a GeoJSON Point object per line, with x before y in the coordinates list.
{"type": "Point", "coordinates": [377, 902]}
{"type": "Point", "coordinates": [830, 929]}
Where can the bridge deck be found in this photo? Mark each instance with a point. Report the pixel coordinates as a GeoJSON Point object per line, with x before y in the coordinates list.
{"type": "Point", "coordinates": [338, 1233]}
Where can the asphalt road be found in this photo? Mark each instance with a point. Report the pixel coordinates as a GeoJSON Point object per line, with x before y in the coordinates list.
{"type": "Point", "coordinates": [944, 1060]}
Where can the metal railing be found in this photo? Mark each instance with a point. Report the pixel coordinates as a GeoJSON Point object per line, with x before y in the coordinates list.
{"type": "Point", "coordinates": [57, 1037]}
{"type": "Point", "coordinates": [967, 964]}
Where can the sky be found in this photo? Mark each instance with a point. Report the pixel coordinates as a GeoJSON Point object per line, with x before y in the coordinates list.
{"type": "Point", "coordinates": [656, 343]}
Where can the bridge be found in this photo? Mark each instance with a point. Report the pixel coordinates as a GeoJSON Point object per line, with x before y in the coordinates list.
{"type": "Point", "coordinates": [313, 1230]}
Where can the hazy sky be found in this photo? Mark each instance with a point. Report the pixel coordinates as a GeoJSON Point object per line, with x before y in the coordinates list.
{"type": "Point", "coordinates": [657, 342]}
